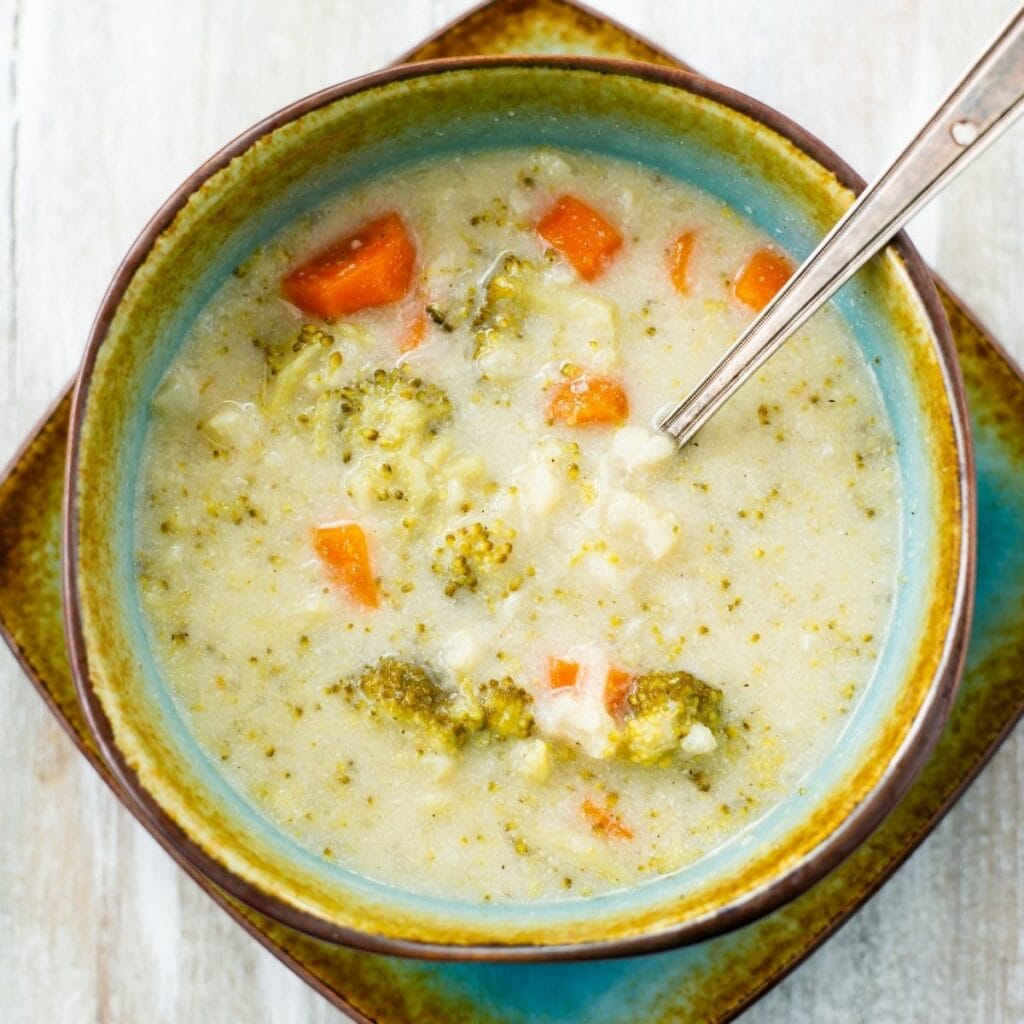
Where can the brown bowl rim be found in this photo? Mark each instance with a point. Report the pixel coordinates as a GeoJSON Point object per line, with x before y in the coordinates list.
{"type": "Point", "coordinates": [834, 848]}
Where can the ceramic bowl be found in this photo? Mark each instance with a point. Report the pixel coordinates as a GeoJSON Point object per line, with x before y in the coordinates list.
{"type": "Point", "coordinates": [789, 185]}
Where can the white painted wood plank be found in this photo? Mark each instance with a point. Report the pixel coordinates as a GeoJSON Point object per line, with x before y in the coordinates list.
{"type": "Point", "coordinates": [106, 107]}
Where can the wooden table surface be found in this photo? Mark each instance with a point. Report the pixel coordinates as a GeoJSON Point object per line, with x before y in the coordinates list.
{"type": "Point", "coordinates": [106, 107]}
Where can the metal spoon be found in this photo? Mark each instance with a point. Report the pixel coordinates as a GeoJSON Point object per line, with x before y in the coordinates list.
{"type": "Point", "coordinates": [985, 102]}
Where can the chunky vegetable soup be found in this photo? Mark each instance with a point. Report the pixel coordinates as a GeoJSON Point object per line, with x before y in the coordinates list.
{"type": "Point", "coordinates": [430, 589]}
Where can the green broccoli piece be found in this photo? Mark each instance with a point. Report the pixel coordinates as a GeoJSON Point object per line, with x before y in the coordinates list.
{"type": "Point", "coordinates": [506, 709]}
{"type": "Point", "coordinates": [663, 707]}
{"type": "Point", "coordinates": [470, 554]}
{"type": "Point", "coordinates": [505, 304]}
{"type": "Point", "coordinates": [278, 357]}
{"type": "Point", "coordinates": [391, 409]}
{"type": "Point", "coordinates": [410, 694]}
{"type": "Point", "coordinates": [290, 366]}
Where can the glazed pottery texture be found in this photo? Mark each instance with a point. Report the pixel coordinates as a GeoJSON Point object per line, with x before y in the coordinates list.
{"type": "Point", "coordinates": [689, 129]}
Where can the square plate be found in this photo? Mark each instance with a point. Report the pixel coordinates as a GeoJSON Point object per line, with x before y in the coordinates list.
{"type": "Point", "coordinates": [712, 981]}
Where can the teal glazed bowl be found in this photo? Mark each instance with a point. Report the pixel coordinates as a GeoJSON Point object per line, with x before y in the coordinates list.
{"type": "Point", "coordinates": [751, 157]}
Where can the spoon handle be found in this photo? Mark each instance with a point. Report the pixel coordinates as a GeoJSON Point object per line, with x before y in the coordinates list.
{"type": "Point", "coordinates": [986, 101]}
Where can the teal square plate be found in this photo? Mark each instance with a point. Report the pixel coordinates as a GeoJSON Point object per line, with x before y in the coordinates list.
{"type": "Point", "coordinates": [712, 981]}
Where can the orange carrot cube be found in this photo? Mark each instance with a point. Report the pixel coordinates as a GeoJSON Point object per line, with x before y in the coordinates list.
{"type": "Point", "coordinates": [679, 257]}
{"type": "Point", "coordinates": [370, 268]}
{"type": "Point", "coordinates": [343, 549]}
{"type": "Point", "coordinates": [589, 399]}
{"type": "Point", "coordinates": [760, 280]}
{"type": "Point", "coordinates": [581, 235]}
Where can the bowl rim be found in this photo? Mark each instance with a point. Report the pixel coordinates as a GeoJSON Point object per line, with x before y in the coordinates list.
{"type": "Point", "coordinates": [907, 759]}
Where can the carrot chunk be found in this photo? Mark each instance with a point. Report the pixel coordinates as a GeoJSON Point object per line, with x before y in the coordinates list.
{"type": "Point", "coordinates": [581, 235]}
{"type": "Point", "coordinates": [617, 685]}
{"type": "Point", "coordinates": [605, 821]}
{"type": "Point", "coordinates": [373, 267]}
{"type": "Point", "coordinates": [759, 281]}
{"type": "Point", "coordinates": [414, 333]}
{"type": "Point", "coordinates": [562, 674]}
{"type": "Point", "coordinates": [343, 549]}
{"type": "Point", "coordinates": [679, 256]}
{"type": "Point", "coordinates": [589, 399]}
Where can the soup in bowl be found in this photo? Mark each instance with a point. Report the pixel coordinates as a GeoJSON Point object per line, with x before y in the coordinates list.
{"type": "Point", "coordinates": [388, 602]}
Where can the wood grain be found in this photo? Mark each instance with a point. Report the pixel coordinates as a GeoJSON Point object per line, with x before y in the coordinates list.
{"type": "Point", "coordinates": [106, 107]}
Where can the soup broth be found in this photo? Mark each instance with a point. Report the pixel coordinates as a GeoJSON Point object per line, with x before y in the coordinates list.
{"type": "Point", "coordinates": [427, 585]}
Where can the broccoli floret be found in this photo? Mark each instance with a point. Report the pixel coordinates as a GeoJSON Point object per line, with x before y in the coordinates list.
{"type": "Point", "coordinates": [470, 554]}
{"type": "Point", "coordinates": [504, 307]}
{"type": "Point", "coordinates": [390, 409]}
{"type": "Point", "coordinates": [278, 357]}
{"type": "Point", "coordinates": [663, 707]}
{"type": "Point", "coordinates": [289, 366]}
{"type": "Point", "coordinates": [506, 709]}
{"type": "Point", "coordinates": [410, 694]}
{"type": "Point", "coordinates": [390, 425]}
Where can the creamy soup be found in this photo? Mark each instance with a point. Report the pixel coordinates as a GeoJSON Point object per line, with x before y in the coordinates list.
{"type": "Point", "coordinates": [432, 592]}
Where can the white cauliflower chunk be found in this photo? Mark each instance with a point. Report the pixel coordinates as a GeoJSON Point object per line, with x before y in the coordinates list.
{"type": "Point", "coordinates": [232, 425]}
{"type": "Point", "coordinates": [437, 767]}
{"type": "Point", "coordinates": [587, 326]}
{"type": "Point", "coordinates": [576, 714]}
{"type": "Point", "coordinates": [649, 530]}
{"type": "Point", "coordinates": [635, 449]}
{"type": "Point", "coordinates": [462, 652]}
{"type": "Point", "coordinates": [462, 475]}
{"type": "Point", "coordinates": [541, 490]}
{"type": "Point", "coordinates": [699, 740]}
{"type": "Point", "coordinates": [554, 166]}
{"type": "Point", "coordinates": [530, 759]}
{"type": "Point", "coordinates": [178, 394]}
{"type": "Point", "coordinates": [503, 364]}
{"type": "Point", "coordinates": [606, 570]}
{"type": "Point", "coordinates": [538, 487]}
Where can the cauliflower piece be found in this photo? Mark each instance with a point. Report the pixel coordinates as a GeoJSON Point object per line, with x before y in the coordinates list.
{"type": "Point", "coordinates": [461, 652]}
{"type": "Point", "coordinates": [232, 425]}
{"type": "Point", "coordinates": [648, 529]}
{"type": "Point", "coordinates": [553, 166]}
{"type": "Point", "coordinates": [635, 449]}
{"type": "Point", "coordinates": [540, 491]}
{"type": "Point", "coordinates": [437, 767]}
{"type": "Point", "coordinates": [699, 740]}
{"type": "Point", "coordinates": [539, 485]}
{"type": "Point", "coordinates": [587, 325]}
{"type": "Point", "coordinates": [178, 393]}
{"type": "Point", "coordinates": [577, 714]}
{"type": "Point", "coordinates": [503, 365]}
{"type": "Point", "coordinates": [573, 715]}
{"type": "Point", "coordinates": [461, 475]}
{"type": "Point", "coordinates": [436, 802]}
{"type": "Point", "coordinates": [606, 570]}
{"type": "Point", "coordinates": [530, 760]}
